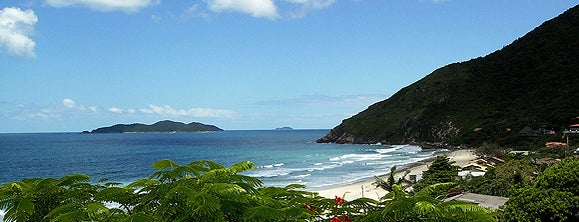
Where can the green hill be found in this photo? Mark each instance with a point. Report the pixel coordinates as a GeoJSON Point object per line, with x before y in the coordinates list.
{"type": "Point", "coordinates": [161, 126]}
{"type": "Point", "coordinates": [532, 82]}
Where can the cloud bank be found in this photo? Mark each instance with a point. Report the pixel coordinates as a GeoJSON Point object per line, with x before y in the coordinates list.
{"type": "Point", "coordinates": [255, 8]}
{"type": "Point", "coordinates": [68, 108]}
{"type": "Point", "coordinates": [128, 6]}
{"type": "Point", "coordinates": [306, 6]}
{"type": "Point", "coordinates": [269, 8]}
{"type": "Point", "coordinates": [16, 26]}
{"type": "Point", "coordinates": [193, 112]}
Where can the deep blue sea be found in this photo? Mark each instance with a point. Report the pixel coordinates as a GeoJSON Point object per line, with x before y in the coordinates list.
{"type": "Point", "coordinates": [282, 156]}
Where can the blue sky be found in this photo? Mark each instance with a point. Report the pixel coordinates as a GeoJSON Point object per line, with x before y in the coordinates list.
{"type": "Point", "coordinates": [73, 65]}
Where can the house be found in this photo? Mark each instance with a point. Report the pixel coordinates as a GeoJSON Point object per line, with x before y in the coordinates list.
{"type": "Point", "coordinates": [524, 153]}
{"type": "Point", "coordinates": [527, 131]}
{"type": "Point", "coordinates": [547, 160]}
{"type": "Point", "coordinates": [465, 174]}
{"type": "Point", "coordinates": [487, 201]}
{"type": "Point", "coordinates": [474, 167]}
{"type": "Point", "coordinates": [495, 160]}
{"type": "Point", "coordinates": [555, 144]}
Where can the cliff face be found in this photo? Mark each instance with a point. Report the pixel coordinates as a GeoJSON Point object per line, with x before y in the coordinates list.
{"type": "Point", "coordinates": [534, 80]}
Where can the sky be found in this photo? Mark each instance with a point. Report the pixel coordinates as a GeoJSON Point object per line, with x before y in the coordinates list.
{"type": "Point", "coordinates": [74, 65]}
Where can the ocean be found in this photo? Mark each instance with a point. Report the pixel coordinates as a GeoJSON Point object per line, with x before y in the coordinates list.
{"type": "Point", "coordinates": [282, 157]}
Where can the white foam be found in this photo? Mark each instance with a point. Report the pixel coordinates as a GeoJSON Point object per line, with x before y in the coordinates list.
{"type": "Point", "coordinates": [301, 176]}
{"type": "Point", "coordinates": [386, 150]}
{"type": "Point", "coordinates": [270, 173]}
{"type": "Point", "coordinates": [273, 165]}
{"type": "Point", "coordinates": [361, 157]}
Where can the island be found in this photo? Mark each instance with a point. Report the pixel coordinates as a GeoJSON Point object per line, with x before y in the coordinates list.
{"type": "Point", "coordinates": [158, 127]}
{"type": "Point", "coordinates": [284, 128]}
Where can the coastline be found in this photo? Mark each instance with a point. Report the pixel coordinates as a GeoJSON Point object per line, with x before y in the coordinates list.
{"type": "Point", "coordinates": [366, 189]}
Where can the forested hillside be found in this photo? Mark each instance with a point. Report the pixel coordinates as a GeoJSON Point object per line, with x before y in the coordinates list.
{"type": "Point", "coordinates": [532, 82]}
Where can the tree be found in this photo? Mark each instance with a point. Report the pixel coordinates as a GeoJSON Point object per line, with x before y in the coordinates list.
{"type": "Point", "coordinates": [553, 197]}
{"type": "Point", "coordinates": [502, 179]}
{"type": "Point", "coordinates": [388, 184]}
{"type": "Point", "coordinates": [539, 204]}
{"type": "Point", "coordinates": [563, 176]}
{"type": "Point", "coordinates": [424, 206]}
{"type": "Point", "coordinates": [38, 199]}
{"type": "Point", "coordinates": [441, 170]}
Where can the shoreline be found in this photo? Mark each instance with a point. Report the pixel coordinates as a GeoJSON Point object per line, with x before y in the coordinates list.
{"type": "Point", "coordinates": [366, 189]}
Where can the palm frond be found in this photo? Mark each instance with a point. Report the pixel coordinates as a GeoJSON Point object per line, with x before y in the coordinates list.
{"type": "Point", "coordinates": [424, 207]}
{"type": "Point", "coordinates": [145, 182]}
{"type": "Point", "coordinates": [434, 188]}
{"type": "Point", "coordinates": [396, 193]}
{"type": "Point", "coordinates": [72, 179]}
{"type": "Point", "coordinates": [20, 210]}
{"type": "Point", "coordinates": [263, 213]}
{"type": "Point", "coordinates": [363, 203]}
{"type": "Point", "coordinates": [203, 204]}
{"type": "Point", "coordinates": [164, 164]}
{"type": "Point", "coordinates": [294, 186]}
{"type": "Point", "coordinates": [141, 217]}
{"type": "Point", "coordinates": [242, 166]}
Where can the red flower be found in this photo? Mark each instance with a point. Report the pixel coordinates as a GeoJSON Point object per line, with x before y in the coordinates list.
{"type": "Point", "coordinates": [309, 207]}
{"type": "Point", "coordinates": [341, 219]}
{"type": "Point", "coordinates": [338, 200]}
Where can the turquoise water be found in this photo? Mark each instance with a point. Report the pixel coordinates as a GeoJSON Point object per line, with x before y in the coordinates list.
{"type": "Point", "coordinates": [282, 157]}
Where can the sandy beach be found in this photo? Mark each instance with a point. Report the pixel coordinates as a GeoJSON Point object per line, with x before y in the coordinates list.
{"type": "Point", "coordinates": [366, 189]}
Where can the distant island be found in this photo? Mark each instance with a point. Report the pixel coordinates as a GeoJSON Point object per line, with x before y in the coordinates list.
{"type": "Point", "coordinates": [158, 127]}
{"type": "Point", "coordinates": [284, 128]}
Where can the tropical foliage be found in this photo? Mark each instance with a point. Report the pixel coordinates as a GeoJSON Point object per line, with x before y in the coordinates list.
{"type": "Point", "coordinates": [388, 184]}
{"type": "Point", "coordinates": [423, 206]}
{"type": "Point", "coordinates": [553, 197]}
{"type": "Point", "coordinates": [206, 191]}
{"type": "Point", "coordinates": [442, 170]}
{"type": "Point", "coordinates": [504, 178]}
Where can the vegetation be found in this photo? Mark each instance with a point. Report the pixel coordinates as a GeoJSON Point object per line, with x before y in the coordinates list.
{"type": "Point", "coordinates": [441, 170]}
{"type": "Point", "coordinates": [553, 197]}
{"type": "Point", "coordinates": [161, 126]}
{"type": "Point", "coordinates": [423, 206]}
{"type": "Point", "coordinates": [207, 191]}
{"type": "Point", "coordinates": [531, 82]}
{"type": "Point", "coordinates": [503, 179]}
{"type": "Point", "coordinates": [388, 184]}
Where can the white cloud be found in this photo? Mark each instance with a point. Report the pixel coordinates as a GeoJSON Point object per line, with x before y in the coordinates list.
{"type": "Point", "coordinates": [105, 5]}
{"type": "Point", "coordinates": [193, 112]}
{"type": "Point", "coordinates": [115, 110]}
{"type": "Point", "coordinates": [255, 8]}
{"type": "Point", "coordinates": [271, 9]}
{"type": "Point", "coordinates": [353, 101]}
{"type": "Point", "coordinates": [16, 26]}
{"type": "Point", "coordinates": [306, 6]}
{"type": "Point", "coordinates": [69, 103]}
{"type": "Point", "coordinates": [193, 12]}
